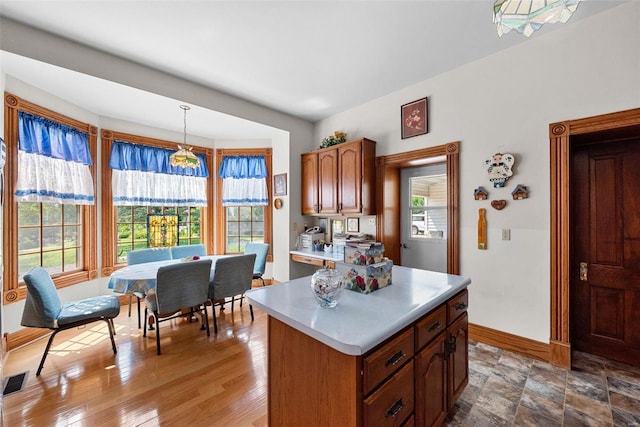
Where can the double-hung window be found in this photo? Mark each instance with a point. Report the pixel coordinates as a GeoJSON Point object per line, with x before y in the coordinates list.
{"type": "Point", "coordinates": [49, 214]}
{"type": "Point", "coordinates": [243, 185]}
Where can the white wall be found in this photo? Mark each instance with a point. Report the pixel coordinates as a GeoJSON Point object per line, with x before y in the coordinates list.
{"type": "Point", "coordinates": [505, 102]}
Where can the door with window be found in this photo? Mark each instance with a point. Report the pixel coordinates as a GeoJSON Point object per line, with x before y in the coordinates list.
{"type": "Point", "coordinates": [423, 213]}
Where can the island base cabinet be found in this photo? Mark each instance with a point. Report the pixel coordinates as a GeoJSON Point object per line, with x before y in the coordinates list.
{"type": "Point", "coordinates": [412, 378]}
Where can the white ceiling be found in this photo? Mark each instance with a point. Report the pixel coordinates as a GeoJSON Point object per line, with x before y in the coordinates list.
{"type": "Point", "coordinates": [311, 59]}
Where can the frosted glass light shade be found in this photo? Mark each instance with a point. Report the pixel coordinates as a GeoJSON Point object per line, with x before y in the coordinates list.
{"type": "Point", "coordinates": [527, 16]}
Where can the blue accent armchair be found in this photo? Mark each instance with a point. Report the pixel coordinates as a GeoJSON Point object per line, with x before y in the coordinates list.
{"type": "Point", "coordinates": [139, 256]}
{"type": "Point", "coordinates": [261, 250]}
{"type": "Point", "coordinates": [43, 309]}
{"type": "Point", "coordinates": [179, 286]}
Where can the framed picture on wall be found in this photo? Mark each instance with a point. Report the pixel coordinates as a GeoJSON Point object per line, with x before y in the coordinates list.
{"type": "Point", "coordinates": [337, 226]}
{"type": "Point", "coordinates": [414, 118]}
{"type": "Point", "coordinates": [280, 184]}
{"type": "Point", "coordinates": [352, 225]}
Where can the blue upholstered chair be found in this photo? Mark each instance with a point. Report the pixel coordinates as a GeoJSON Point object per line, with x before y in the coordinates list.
{"type": "Point", "coordinates": [139, 256]}
{"type": "Point", "coordinates": [179, 286]}
{"type": "Point", "coordinates": [42, 309]}
{"type": "Point", "coordinates": [261, 250]}
{"type": "Point", "coordinates": [178, 252]}
{"type": "Point", "coordinates": [232, 276]}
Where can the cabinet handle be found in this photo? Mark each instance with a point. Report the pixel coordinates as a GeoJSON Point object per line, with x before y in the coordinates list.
{"type": "Point", "coordinates": [394, 409]}
{"type": "Point", "coordinates": [393, 360]}
{"type": "Point", "coordinates": [435, 326]}
{"type": "Point", "coordinates": [461, 306]}
{"type": "Point", "coordinates": [450, 346]}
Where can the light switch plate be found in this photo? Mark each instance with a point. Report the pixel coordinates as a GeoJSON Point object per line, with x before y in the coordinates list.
{"type": "Point", "coordinates": [506, 234]}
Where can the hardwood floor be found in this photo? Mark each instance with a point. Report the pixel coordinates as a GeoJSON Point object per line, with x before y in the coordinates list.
{"type": "Point", "coordinates": [220, 380]}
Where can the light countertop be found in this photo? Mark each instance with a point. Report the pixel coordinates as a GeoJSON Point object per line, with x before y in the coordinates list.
{"type": "Point", "coordinates": [360, 321]}
{"type": "Point", "coordinates": [327, 256]}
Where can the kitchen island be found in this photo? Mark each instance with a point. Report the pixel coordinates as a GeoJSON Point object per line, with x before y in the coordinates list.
{"type": "Point", "coordinates": [394, 357]}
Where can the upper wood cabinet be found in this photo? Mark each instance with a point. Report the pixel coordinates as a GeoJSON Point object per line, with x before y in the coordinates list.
{"type": "Point", "coordinates": [340, 179]}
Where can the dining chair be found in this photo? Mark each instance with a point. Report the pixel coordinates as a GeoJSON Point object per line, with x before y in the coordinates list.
{"type": "Point", "coordinates": [232, 276]}
{"type": "Point", "coordinates": [139, 256]}
{"type": "Point", "coordinates": [43, 309]}
{"type": "Point", "coordinates": [178, 252]}
{"type": "Point", "coordinates": [179, 286]}
{"type": "Point", "coordinates": [261, 250]}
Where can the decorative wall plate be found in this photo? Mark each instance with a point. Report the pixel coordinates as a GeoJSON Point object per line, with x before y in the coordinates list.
{"type": "Point", "coordinates": [277, 203]}
{"type": "Point", "coordinates": [499, 204]}
{"type": "Point", "coordinates": [500, 168]}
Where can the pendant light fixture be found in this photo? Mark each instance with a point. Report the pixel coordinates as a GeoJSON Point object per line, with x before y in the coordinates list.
{"type": "Point", "coordinates": [184, 157]}
{"type": "Point", "coordinates": [527, 16]}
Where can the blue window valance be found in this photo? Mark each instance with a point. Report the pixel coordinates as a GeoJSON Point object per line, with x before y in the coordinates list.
{"type": "Point", "coordinates": [244, 181]}
{"type": "Point", "coordinates": [53, 162]}
{"type": "Point", "coordinates": [128, 156]}
{"type": "Point", "coordinates": [143, 176]}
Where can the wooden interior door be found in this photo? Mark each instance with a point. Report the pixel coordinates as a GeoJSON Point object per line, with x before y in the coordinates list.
{"type": "Point", "coordinates": [605, 270]}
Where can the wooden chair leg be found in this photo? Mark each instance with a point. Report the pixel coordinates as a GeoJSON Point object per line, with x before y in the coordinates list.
{"type": "Point", "coordinates": [139, 319]}
{"type": "Point", "coordinates": [130, 301]}
{"type": "Point", "coordinates": [251, 310]}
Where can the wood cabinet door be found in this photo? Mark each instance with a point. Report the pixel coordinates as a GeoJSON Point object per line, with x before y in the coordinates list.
{"type": "Point", "coordinates": [309, 183]}
{"type": "Point", "coordinates": [430, 383]}
{"type": "Point", "coordinates": [350, 181]}
{"type": "Point", "coordinates": [458, 363]}
{"type": "Point", "coordinates": [328, 181]}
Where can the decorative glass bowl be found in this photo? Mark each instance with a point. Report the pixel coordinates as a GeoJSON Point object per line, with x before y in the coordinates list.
{"type": "Point", "coordinates": [327, 285]}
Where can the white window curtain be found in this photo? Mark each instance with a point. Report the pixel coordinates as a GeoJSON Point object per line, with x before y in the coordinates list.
{"type": "Point", "coordinates": [143, 176]}
{"type": "Point", "coordinates": [53, 163]}
{"type": "Point", "coordinates": [244, 181]}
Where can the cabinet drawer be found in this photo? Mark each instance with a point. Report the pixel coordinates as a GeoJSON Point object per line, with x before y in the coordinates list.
{"type": "Point", "coordinates": [429, 327]}
{"type": "Point", "coordinates": [307, 260]}
{"type": "Point", "coordinates": [392, 403]}
{"type": "Point", "coordinates": [386, 360]}
{"type": "Point", "coordinates": [457, 306]}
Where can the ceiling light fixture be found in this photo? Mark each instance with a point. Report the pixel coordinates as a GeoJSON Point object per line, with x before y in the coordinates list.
{"type": "Point", "coordinates": [527, 16]}
{"type": "Point", "coordinates": [184, 157]}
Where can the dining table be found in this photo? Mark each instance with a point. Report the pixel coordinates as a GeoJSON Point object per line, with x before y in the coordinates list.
{"type": "Point", "coordinates": [141, 278]}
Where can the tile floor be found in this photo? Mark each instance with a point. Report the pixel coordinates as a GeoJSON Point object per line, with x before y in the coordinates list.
{"type": "Point", "coordinates": [507, 389]}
